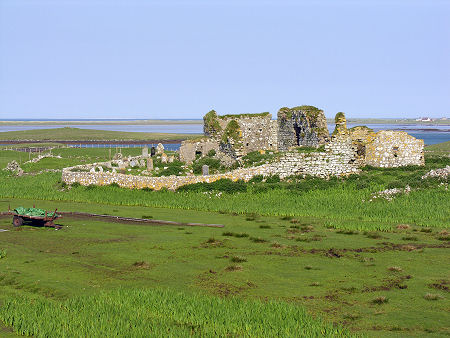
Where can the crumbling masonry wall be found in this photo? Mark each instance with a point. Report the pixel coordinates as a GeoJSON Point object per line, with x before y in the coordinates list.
{"type": "Point", "coordinates": [301, 126]}
{"type": "Point", "coordinates": [336, 160]}
{"type": "Point", "coordinates": [256, 131]}
{"type": "Point", "coordinates": [388, 149]}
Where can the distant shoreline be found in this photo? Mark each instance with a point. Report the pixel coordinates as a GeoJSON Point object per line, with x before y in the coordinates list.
{"type": "Point", "coordinates": [198, 121]}
{"type": "Point", "coordinates": [96, 122]}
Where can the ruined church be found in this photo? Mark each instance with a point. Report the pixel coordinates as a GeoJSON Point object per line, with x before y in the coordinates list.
{"type": "Point", "coordinates": [234, 136]}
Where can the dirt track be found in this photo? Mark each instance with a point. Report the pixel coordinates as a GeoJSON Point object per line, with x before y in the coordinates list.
{"type": "Point", "coordinates": [127, 220]}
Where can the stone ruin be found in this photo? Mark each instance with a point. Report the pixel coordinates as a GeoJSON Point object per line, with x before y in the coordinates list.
{"type": "Point", "coordinates": [234, 136]}
{"type": "Point", "coordinates": [14, 168]}
{"type": "Point", "coordinates": [230, 137]}
{"type": "Point", "coordinates": [301, 126]}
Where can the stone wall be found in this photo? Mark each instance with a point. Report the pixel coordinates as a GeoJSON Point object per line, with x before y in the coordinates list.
{"type": "Point", "coordinates": [190, 148]}
{"type": "Point", "coordinates": [389, 149]}
{"type": "Point", "coordinates": [336, 160]}
{"type": "Point", "coordinates": [301, 126]}
{"type": "Point", "coordinates": [256, 131]}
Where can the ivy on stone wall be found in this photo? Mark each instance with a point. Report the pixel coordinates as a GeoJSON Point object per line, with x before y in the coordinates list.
{"type": "Point", "coordinates": [211, 123]}
{"type": "Point", "coordinates": [232, 134]}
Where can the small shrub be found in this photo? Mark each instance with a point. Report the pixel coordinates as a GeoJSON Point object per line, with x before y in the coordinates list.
{"type": "Point", "coordinates": [257, 240]}
{"type": "Point", "coordinates": [444, 235]}
{"type": "Point", "coordinates": [238, 259]}
{"type": "Point", "coordinates": [223, 185]}
{"type": "Point", "coordinates": [273, 179]}
{"type": "Point", "coordinates": [403, 226]}
{"type": "Point", "coordinates": [265, 227]}
{"type": "Point", "coordinates": [352, 316]}
{"type": "Point", "coordinates": [276, 245]}
{"type": "Point", "coordinates": [211, 153]}
{"type": "Point", "coordinates": [373, 235]}
{"type": "Point", "coordinates": [347, 232]}
{"type": "Point", "coordinates": [235, 234]}
{"type": "Point", "coordinates": [234, 268]}
{"type": "Point", "coordinates": [240, 235]}
{"type": "Point", "coordinates": [427, 230]}
{"type": "Point", "coordinates": [212, 242]}
{"type": "Point", "coordinates": [141, 265]}
{"type": "Point", "coordinates": [256, 179]}
{"type": "Point", "coordinates": [380, 300]}
{"type": "Point", "coordinates": [3, 253]}
{"type": "Point", "coordinates": [307, 228]}
{"type": "Point", "coordinates": [251, 217]}
{"type": "Point", "coordinates": [303, 239]}
{"type": "Point", "coordinates": [432, 296]}
{"type": "Point", "coordinates": [409, 238]}
{"type": "Point", "coordinates": [212, 163]}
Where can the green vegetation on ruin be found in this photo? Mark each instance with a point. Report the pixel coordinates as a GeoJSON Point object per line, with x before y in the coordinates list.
{"type": "Point", "coordinates": [238, 116]}
{"type": "Point", "coordinates": [77, 134]}
{"type": "Point", "coordinates": [361, 128]}
{"type": "Point", "coordinates": [232, 132]}
{"type": "Point", "coordinates": [339, 116]}
{"type": "Point", "coordinates": [309, 111]}
{"type": "Point", "coordinates": [308, 150]}
{"type": "Point", "coordinates": [211, 123]}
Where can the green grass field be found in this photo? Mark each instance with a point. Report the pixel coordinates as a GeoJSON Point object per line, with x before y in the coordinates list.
{"type": "Point", "coordinates": [304, 258]}
{"type": "Point", "coordinates": [439, 149]}
{"type": "Point", "coordinates": [337, 275]}
{"type": "Point", "coordinates": [77, 134]}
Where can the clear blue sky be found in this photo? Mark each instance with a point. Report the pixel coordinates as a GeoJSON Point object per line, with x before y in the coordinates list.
{"type": "Point", "coordinates": [179, 59]}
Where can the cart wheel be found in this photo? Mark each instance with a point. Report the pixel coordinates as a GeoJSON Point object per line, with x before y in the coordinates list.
{"type": "Point", "coordinates": [17, 221]}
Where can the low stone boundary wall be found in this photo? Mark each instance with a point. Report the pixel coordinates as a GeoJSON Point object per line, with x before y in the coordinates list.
{"type": "Point", "coordinates": [320, 164]}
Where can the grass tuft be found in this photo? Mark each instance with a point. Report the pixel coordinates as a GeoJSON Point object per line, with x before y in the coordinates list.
{"type": "Point", "coordinates": [395, 269]}
{"type": "Point", "coordinates": [238, 259]}
{"type": "Point", "coordinates": [234, 268]}
{"type": "Point", "coordinates": [432, 296]}
{"type": "Point", "coordinates": [380, 300]}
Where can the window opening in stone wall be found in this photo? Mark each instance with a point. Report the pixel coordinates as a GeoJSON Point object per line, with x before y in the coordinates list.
{"type": "Point", "coordinates": [395, 150]}
{"type": "Point", "coordinates": [298, 131]}
{"type": "Point", "coordinates": [361, 150]}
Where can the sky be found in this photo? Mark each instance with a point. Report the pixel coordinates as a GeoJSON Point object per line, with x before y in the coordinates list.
{"type": "Point", "coordinates": [151, 59]}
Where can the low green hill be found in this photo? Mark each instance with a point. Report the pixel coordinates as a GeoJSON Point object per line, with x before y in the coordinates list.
{"type": "Point", "coordinates": [77, 134]}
